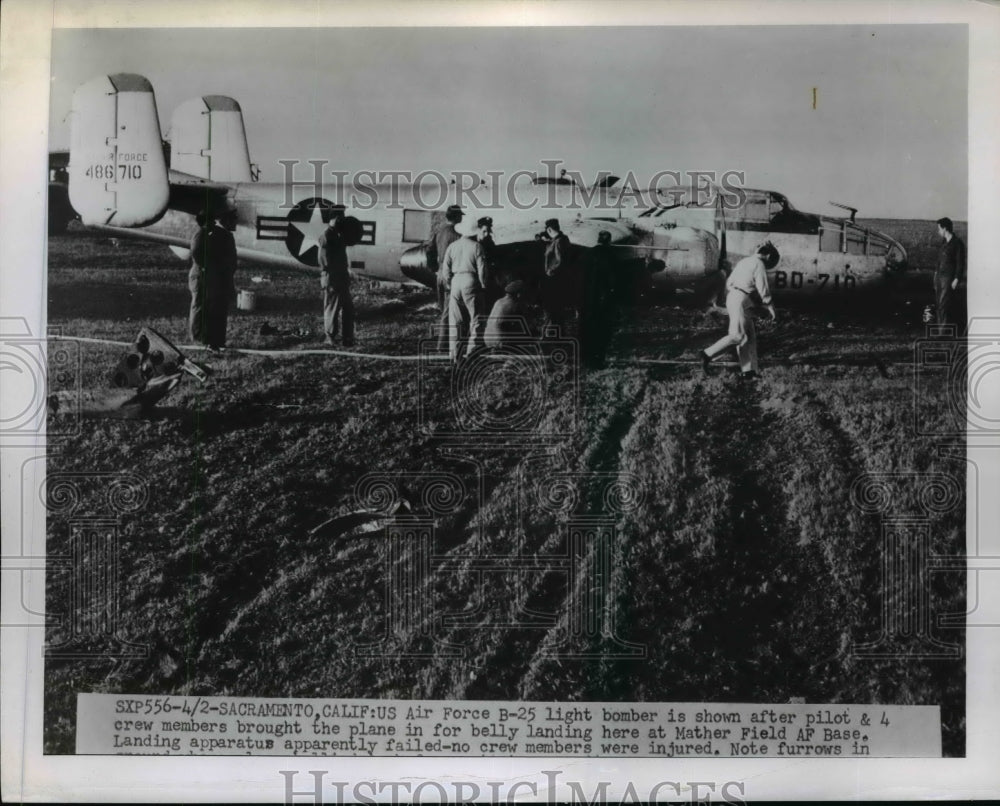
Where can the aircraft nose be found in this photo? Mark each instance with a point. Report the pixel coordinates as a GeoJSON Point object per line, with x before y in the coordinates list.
{"type": "Point", "coordinates": [896, 259]}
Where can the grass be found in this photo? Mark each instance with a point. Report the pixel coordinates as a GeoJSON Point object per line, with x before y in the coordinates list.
{"type": "Point", "coordinates": [743, 570]}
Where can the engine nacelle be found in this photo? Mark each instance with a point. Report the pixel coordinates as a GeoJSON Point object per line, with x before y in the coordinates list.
{"type": "Point", "coordinates": [413, 264]}
{"type": "Point", "coordinates": [687, 253]}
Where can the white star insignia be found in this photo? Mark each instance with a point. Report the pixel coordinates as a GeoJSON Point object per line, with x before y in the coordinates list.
{"type": "Point", "coordinates": [311, 230]}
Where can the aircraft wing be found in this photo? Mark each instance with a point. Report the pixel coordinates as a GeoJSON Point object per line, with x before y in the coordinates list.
{"type": "Point", "coordinates": [192, 194]}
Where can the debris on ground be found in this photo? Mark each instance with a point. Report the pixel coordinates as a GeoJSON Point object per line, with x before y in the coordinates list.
{"type": "Point", "coordinates": [145, 375]}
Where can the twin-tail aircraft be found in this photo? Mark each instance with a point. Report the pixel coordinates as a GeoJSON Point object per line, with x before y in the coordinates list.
{"type": "Point", "coordinates": [122, 181]}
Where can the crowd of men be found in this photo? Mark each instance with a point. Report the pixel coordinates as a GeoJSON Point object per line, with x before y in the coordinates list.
{"type": "Point", "coordinates": [477, 312]}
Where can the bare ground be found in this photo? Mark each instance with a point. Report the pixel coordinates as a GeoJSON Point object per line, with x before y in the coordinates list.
{"type": "Point", "coordinates": [738, 570]}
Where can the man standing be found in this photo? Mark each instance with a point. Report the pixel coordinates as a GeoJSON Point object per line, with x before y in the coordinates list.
{"type": "Point", "coordinates": [597, 304]}
{"type": "Point", "coordinates": [950, 270]}
{"type": "Point", "coordinates": [335, 280]}
{"type": "Point", "coordinates": [556, 282]}
{"type": "Point", "coordinates": [437, 246]}
{"type": "Point", "coordinates": [747, 277]}
{"type": "Point", "coordinates": [465, 270]}
{"type": "Point", "coordinates": [211, 281]}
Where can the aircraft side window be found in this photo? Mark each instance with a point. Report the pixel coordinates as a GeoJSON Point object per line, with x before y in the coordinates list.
{"type": "Point", "coordinates": [878, 248]}
{"type": "Point", "coordinates": [416, 226]}
{"type": "Point", "coordinates": [855, 243]}
{"type": "Point", "coordinates": [830, 238]}
{"type": "Point", "coordinates": [857, 240]}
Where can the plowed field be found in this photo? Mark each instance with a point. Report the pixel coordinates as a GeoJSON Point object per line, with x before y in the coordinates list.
{"type": "Point", "coordinates": [306, 525]}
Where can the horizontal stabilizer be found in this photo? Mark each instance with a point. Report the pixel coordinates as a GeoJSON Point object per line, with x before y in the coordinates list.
{"type": "Point", "coordinates": [117, 172]}
{"type": "Point", "coordinates": [193, 195]}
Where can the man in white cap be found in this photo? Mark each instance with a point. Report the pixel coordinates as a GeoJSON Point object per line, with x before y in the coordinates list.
{"type": "Point", "coordinates": [444, 235]}
{"type": "Point", "coordinates": [465, 270]}
{"type": "Point", "coordinates": [748, 277]}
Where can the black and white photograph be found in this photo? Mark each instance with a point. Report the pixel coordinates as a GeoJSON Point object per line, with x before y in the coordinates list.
{"type": "Point", "coordinates": [492, 392]}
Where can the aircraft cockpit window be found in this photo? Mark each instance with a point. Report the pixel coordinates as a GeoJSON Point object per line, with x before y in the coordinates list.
{"type": "Point", "coordinates": [830, 238]}
{"type": "Point", "coordinates": [780, 203]}
{"type": "Point", "coordinates": [855, 242]}
{"type": "Point", "coordinates": [850, 239]}
{"type": "Point", "coordinates": [878, 247]}
{"type": "Point", "coordinates": [757, 209]}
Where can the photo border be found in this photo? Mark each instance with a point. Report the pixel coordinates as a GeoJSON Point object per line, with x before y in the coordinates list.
{"type": "Point", "coordinates": [28, 774]}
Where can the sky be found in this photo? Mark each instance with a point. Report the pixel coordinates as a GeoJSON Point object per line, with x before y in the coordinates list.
{"type": "Point", "coordinates": [887, 134]}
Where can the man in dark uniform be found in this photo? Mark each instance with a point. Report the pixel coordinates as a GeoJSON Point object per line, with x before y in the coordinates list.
{"type": "Point", "coordinates": [211, 281]}
{"type": "Point", "coordinates": [597, 308]}
{"type": "Point", "coordinates": [335, 280]}
{"type": "Point", "coordinates": [555, 288]}
{"type": "Point", "coordinates": [950, 270]}
{"type": "Point", "coordinates": [437, 245]}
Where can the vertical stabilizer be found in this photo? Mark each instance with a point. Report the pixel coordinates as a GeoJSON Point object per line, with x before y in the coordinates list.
{"type": "Point", "coordinates": [117, 173]}
{"type": "Point", "coordinates": [208, 140]}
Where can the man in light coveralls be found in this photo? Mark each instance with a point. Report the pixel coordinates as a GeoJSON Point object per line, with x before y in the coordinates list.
{"type": "Point", "coordinates": [465, 270]}
{"type": "Point", "coordinates": [437, 245]}
{"type": "Point", "coordinates": [748, 277]}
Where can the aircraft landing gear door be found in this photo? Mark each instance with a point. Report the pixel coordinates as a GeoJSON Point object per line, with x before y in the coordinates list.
{"type": "Point", "coordinates": [117, 173]}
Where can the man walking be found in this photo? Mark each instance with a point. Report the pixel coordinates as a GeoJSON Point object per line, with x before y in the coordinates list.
{"type": "Point", "coordinates": [335, 281]}
{"type": "Point", "coordinates": [950, 270]}
{"type": "Point", "coordinates": [465, 270]}
{"type": "Point", "coordinates": [211, 281]}
{"type": "Point", "coordinates": [747, 277]}
{"type": "Point", "coordinates": [437, 245]}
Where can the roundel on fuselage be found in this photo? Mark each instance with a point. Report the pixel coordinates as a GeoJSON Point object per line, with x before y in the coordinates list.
{"type": "Point", "coordinates": [307, 221]}
{"type": "Point", "coordinates": [352, 230]}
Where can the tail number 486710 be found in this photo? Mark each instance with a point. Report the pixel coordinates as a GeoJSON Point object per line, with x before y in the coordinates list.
{"type": "Point", "coordinates": [125, 171]}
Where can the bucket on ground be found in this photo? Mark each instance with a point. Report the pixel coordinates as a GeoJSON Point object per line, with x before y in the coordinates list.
{"type": "Point", "coordinates": [246, 300]}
